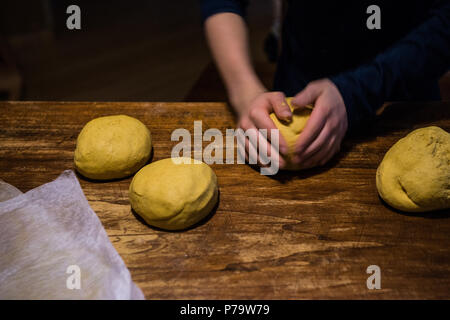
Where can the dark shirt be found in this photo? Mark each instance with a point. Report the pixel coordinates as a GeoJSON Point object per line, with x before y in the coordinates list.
{"type": "Point", "coordinates": [321, 38]}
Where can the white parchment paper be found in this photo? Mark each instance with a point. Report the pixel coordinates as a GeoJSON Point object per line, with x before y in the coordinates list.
{"type": "Point", "coordinates": [50, 238]}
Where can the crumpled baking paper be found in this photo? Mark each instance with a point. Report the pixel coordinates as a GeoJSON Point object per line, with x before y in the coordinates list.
{"type": "Point", "coordinates": [53, 246]}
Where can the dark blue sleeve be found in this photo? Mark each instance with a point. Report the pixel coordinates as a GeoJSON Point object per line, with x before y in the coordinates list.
{"type": "Point", "coordinates": [211, 7]}
{"type": "Point", "coordinates": [417, 60]}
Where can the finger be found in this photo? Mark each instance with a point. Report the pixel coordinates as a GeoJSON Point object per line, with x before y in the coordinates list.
{"type": "Point", "coordinates": [307, 96]}
{"type": "Point", "coordinates": [280, 106]}
{"type": "Point", "coordinates": [246, 144]}
{"type": "Point", "coordinates": [258, 150]}
{"type": "Point", "coordinates": [321, 156]}
{"type": "Point", "coordinates": [329, 156]}
{"type": "Point", "coordinates": [251, 144]}
{"type": "Point", "coordinates": [312, 129]}
{"type": "Point", "coordinates": [335, 149]}
{"type": "Point", "coordinates": [315, 159]}
{"type": "Point", "coordinates": [274, 157]}
{"type": "Point", "coordinates": [268, 153]}
{"type": "Point", "coordinates": [262, 120]}
{"type": "Point", "coordinates": [242, 143]}
{"type": "Point", "coordinates": [323, 138]}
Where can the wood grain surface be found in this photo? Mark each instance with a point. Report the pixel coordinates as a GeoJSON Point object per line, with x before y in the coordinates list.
{"type": "Point", "coordinates": [301, 235]}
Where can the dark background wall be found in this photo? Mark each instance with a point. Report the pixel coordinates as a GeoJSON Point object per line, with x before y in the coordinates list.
{"type": "Point", "coordinates": [140, 50]}
{"type": "Point", "coordinates": [126, 50]}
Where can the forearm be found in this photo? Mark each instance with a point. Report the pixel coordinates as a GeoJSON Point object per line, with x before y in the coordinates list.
{"type": "Point", "coordinates": [227, 37]}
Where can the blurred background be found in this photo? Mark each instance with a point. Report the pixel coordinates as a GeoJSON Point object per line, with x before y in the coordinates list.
{"type": "Point", "coordinates": [140, 50]}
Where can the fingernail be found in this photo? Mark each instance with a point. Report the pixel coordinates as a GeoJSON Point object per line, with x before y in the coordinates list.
{"type": "Point", "coordinates": [287, 116]}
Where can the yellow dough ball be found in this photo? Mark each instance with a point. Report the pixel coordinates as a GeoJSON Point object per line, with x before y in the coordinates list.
{"type": "Point", "coordinates": [414, 175]}
{"type": "Point", "coordinates": [291, 131]}
{"type": "Point", "coordinates": [174, 194]}
{"type": "Point", "coordinates": [112, 147]}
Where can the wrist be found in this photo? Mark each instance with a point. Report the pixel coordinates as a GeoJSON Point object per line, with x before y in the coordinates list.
{"type": "Point", "coordinates": [242, 95]}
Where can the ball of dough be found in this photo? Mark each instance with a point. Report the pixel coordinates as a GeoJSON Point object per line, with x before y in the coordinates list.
{"type": "Point", "coordinates": [174, 194]}
{"type": "Point", "coordinates": [112, 147]}
{"type": "Point", "coordinates": [414, 175]}
{"type": "Point", "coordinates": [291, 131]}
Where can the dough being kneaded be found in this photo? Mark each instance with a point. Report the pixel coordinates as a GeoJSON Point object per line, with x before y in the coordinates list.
{"type": "Point", "coordinates": [414, 175]}
{"type": "Point", "coordinates": [291, 131]}
{"type": "Point", "coordinates": [112, 147]}
{"type": "Point", "coordinates": [174, 193]}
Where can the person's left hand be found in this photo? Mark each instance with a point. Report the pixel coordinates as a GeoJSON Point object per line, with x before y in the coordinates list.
{"type": "Point", "coordinates": [322, 136]}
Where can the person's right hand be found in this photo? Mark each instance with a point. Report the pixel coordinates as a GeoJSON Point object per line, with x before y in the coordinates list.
{"type": "Point", "coordinates": [256, 116]}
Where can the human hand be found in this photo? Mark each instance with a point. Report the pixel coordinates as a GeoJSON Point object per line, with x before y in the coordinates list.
{"type": "Point", "coordinates": [256, 116]}
{"type": "Point", "coordinates": [322, 136]}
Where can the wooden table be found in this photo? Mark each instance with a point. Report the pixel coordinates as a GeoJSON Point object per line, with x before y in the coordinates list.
{"type": "Point", "coordinates": [310, 234]}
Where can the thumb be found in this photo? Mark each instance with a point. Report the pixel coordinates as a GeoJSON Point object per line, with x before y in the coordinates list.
{"type": "Point", "coordinates": [279, 106]}
{"type": "Point", "coordinates": [307, 96]}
